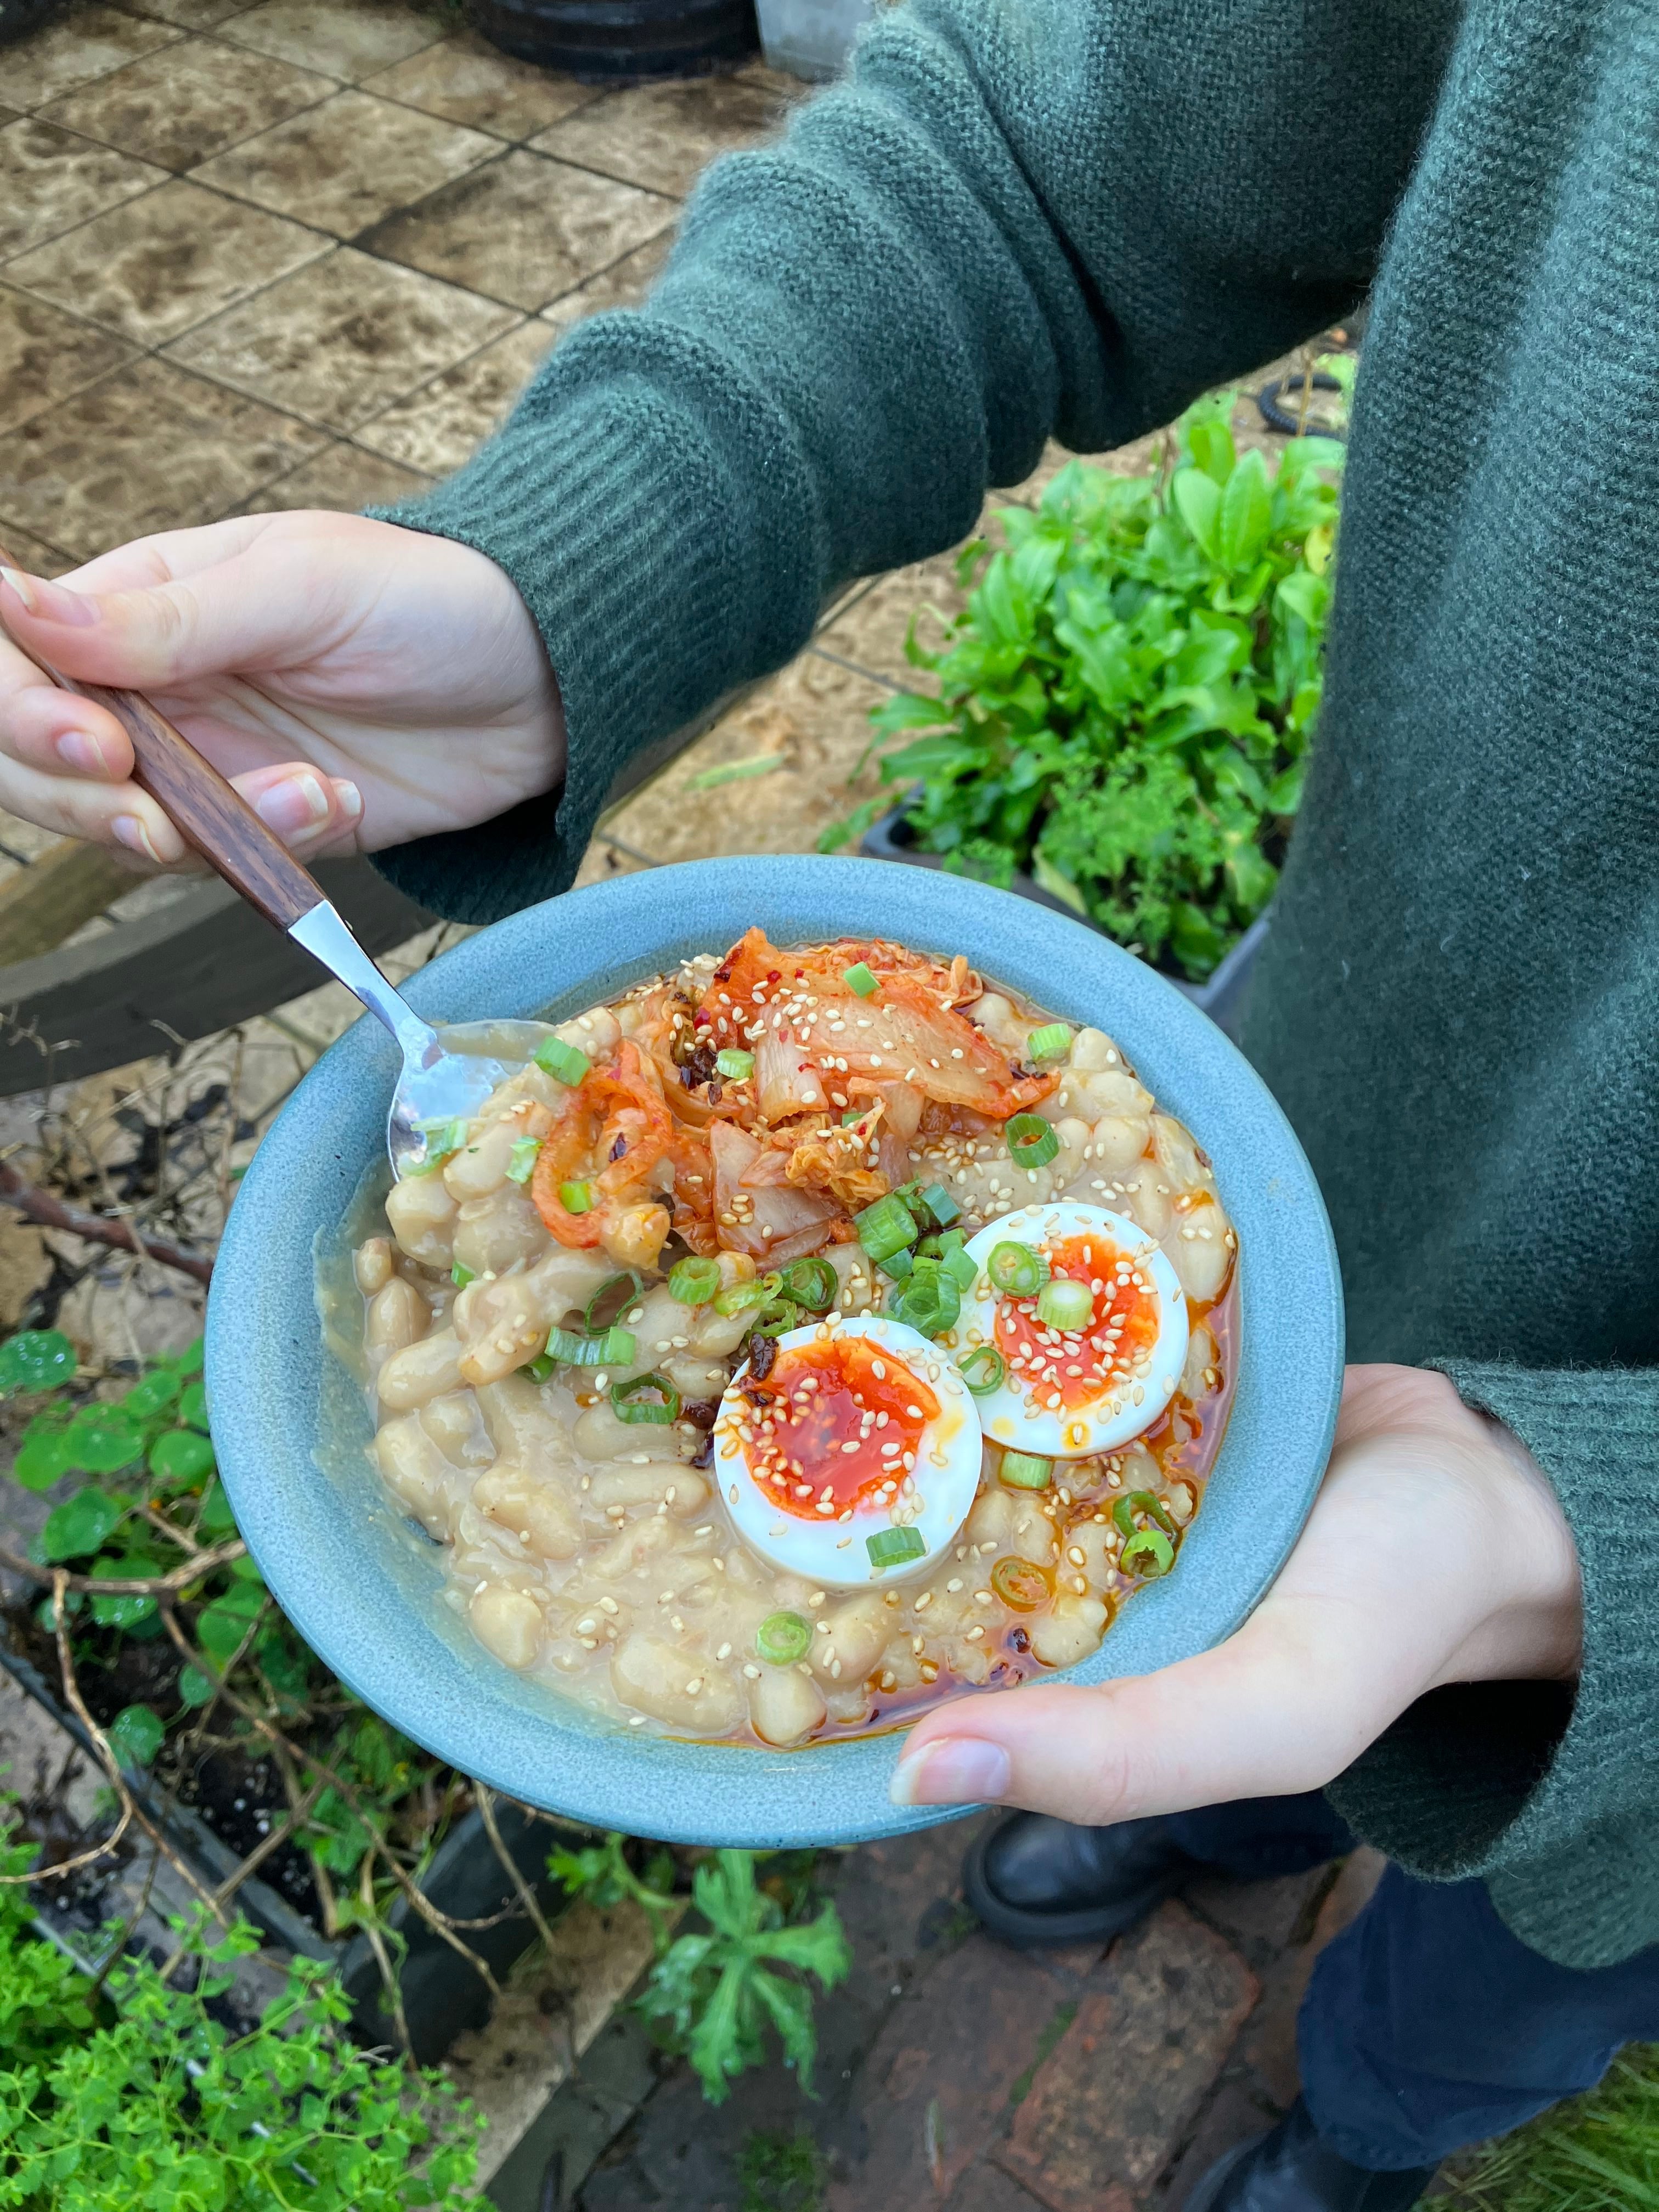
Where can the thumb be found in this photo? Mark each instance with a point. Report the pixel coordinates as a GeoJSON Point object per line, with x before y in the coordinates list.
{"type": "Point", "coordinates": [1281, 1707]}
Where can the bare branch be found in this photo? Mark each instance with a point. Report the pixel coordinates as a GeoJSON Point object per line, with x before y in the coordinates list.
{"type": "Point", "coordinates": [156, 1586]}
{"type": "Point", "coordinates": [51, 1212]}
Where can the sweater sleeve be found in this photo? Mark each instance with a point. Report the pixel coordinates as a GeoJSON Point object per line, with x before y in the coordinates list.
{"type": "Point", "coordinates": [1063, 216]}
{"type": "Point", "coordinates": [1522, 1783]}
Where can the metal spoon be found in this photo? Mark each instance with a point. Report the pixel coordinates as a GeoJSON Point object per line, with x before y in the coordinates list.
{"type": "Point", "coordinates": [448, 1073]}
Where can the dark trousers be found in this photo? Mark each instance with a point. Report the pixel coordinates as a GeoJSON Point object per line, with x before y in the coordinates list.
{"type": "Point", "coordinates": [1427, 2026]}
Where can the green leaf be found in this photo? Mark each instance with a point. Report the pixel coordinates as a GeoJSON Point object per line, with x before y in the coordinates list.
{"type": "Point", "coordinates": [43, 1457]}
{"type": "Point", "coordinates": [35, 1360]}
{"type": "Point", "coordinates": [181, 1458]}
{"type": "Point", "coordinates": [193, 1405]}
{"type": "Point", "coordinates": [1048, 877]}
{"type": "Point", "coordinates": [194, 1687]}
{"type": "Point", "coordinates": [153, 1395]}
{"type": "Point", "coordinates": [102, 1439]}
{"type": "Point", "coordinates": [81, 1524]}
{"type": "Point", "coordinates": [1210, 445]}
{"type": "Point", "coordinates": [1198, 501]}
{"type": "Point", "coordinates": [215, 1517]}
{"type": "Point", "coordinates": [221, 1627]}
{"type": "Point", "coordinates": [136, 1735]}
{"type": "Point", "coordinates": [1246, 513]}
{"type": "Point", "coordinates": [1303, 594]}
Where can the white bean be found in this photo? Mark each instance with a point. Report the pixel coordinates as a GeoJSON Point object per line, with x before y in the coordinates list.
{"type": "Point", "coordinates": [680, 1688]}
{"type": "Point", "coordinates": [1115, 1091]}
{"type": "Point", "coordinates": [418, 1474]}
{"type": "Point", "coordinates": [1145, 1197]}
{"type": "Point", "coordinates": [995, 1015]}
{"type": "Point", "coordinates": [635, 1546]}
{"type": "Point", "coordinates": [397, 1316]}
{"type": "Point", "coordinates": [538, 1513]}
{"type": "Point", "coordinates": [1202, 1352]}
{"type": "Point", "coordinates": [502, 1231]}
{"type": "Point", "coordinates": [481, 1165]}
{"type": "Point", "coordinates": [851, 1637]}
{"type": "Point", "coordinates": [1184, 1166]}
{"type": "Point", "coordinates": [507, 1623]}
{"type": "Point", "coordinates": [422, 1215]}
{"type": "Point", "coordinates": [599, 1434]}
{"type": "Point", "coordinates": [1198, 1250]}
{"type": "Point", "coordinates": [1119, 1140]}
{"type": "Point", "coordinates": [1069, 1631]}
{"type": "Point", "coordinates": [1092, 1051]}
{"type": "Point", "coordinates": [454, 1425]}
{"type": "Point", "coordinates": [627, 1485]}
{"type": "Point", "coordinates": [420, 1371]}
{"type": "Point", "coordinates": [371, 1263]}
{"type": "Point", "coordinates": [785, 1705]}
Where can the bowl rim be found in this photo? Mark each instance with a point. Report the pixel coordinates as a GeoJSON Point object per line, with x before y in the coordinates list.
{"type": "Point", "coordinates": [267, 1366]}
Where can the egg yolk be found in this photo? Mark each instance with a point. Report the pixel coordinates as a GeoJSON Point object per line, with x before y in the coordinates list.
{"type": "Point", "coordinates": [1066, 1368]}
{"type": "Point", "coordinates": [834, 1428]}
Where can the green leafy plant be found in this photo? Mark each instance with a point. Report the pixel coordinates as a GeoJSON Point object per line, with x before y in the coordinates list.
{"type": "Point", "coordinates": [133, 2095]}
{"type": "Point", "coordinates": [781, 2173]}
{"type": "Point", "coordinates": [713, 1993]}
{"type": "Point", "coordinates": [1124, 709]}
{"type": "Point", "coordinates": [1598, 2153]}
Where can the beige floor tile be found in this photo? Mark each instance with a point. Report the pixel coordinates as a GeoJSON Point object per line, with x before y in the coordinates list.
{"type": "Point", "coordinates": [344, 165]}
{"type": "Point", "coordinates": [7, 115]}
{"type": "Point", "coordinates": [153, 268]}
{"type": "Point", "coordinates": [350, 39]}
{"type": "Point", "coordinates": [872, 629]}
{"type": "Point", "coordinates": [34, 553]}
{"type": "Point", "coordinates": [46, 355]}
{"type": "Point", "coordinates": [179, 106]}
{"type": "Point", "coordinates": [50, 180]}
{"type": "Point", "coordinates": [340, 340]}
{"type": "Point", "coordinates": [523, 229]}
{"type": "Point", "coordinates": [437, 428]}
{"type": "Point", "coordinates": [88, 43]}
{"type": "Point", "coordinates": [814, 717]}
{"type": "Point", "coordinates": [663, 135]}
{"type": "Point", "coordinates": [466, 80]}
{"type": "Point", "coordinates": [341, 477]}
{"type": "Point", "coordinates": [624, 284]}
{"type": "Point", "coordinates": [191, 15]}
{"type": "Point", "coordinates": [147, 449]}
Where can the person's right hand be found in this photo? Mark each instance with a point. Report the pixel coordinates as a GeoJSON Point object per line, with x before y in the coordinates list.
{"type": "Point", "coordinates": [360, 683]}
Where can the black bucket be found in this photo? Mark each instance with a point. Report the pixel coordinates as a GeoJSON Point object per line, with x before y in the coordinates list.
{"type": "Point", "coordinates": [607, 41]}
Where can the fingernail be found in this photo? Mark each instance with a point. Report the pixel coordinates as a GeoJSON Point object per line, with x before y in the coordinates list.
{"type": "Point", "coordinates": [51, 602]}
{"type": "Point", "coordinates": [952, 1770]}
{"type": "Point", "coordinates": [135, 837]}
{"type": "Point", "coordinates": [298, 803]}
{"type": "Point", "coordinates": [82, 753]}
{"type": "Point", "coordinates": [349, 798]}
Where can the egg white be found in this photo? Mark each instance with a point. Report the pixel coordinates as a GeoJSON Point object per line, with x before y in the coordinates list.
{"type": "Point", "coordinates": [945, 1478]}
{"type": "Point", "coordinates": [1007, 1414]}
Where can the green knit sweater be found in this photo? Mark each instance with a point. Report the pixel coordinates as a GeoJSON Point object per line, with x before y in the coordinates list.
{"type": "Point", "coordinates": [1022, 217]}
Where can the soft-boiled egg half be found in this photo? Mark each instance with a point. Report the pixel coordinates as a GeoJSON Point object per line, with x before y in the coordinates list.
{"type": "Point", "coordinates": [855, 1458]}
{"type": "Point", "coordinates": [1074, 1333]}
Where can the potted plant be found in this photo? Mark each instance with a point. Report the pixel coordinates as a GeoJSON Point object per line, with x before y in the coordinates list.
{"type": "Point", "coordinates": [1123, 711]}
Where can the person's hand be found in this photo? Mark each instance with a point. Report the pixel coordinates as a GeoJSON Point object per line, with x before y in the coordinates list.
{"type": "Point", "coordinates": [1436, 1553]}
{"type": "Point", "coordinates": [360, 683]}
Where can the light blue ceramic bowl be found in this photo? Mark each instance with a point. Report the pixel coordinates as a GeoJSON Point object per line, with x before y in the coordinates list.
{"type": "Point", "coordinates": [361, 1584]}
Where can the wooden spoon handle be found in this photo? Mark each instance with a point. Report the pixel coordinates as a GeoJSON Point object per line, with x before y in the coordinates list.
{"type": "Point", "coordinates": [204, 809]}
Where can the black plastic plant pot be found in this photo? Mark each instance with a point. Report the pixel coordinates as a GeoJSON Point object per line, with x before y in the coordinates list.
{"type": "Point", "coordinates": [443, 1993]}
{"type": "Point", "coordinates": [1221, 995]}
{"type": "Point", "coordinates": [604, 41]}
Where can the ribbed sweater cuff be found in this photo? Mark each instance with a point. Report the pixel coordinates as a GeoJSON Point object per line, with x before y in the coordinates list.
{"type": "Point", "coordinates": [1523, 1783]}
{"type": "Point", "coordinates": [630, 535]}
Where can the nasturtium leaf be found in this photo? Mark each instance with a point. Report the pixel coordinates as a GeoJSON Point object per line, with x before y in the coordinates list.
{"type": "Point", "coordinates": [153, 1394]}
{"type": "Point", "coordinates": [215, 1517]}
{"type": "Point", "coordinates": [283, 1662]}
{"type": "Point", "coordinates": [123, 1609]}
{"type": "Point", "coordinates": [80, 1524]}
{"type": "Point", "coordinates": [193, 1407]}
{"type": "Point", "coordinates": [35, 1360]}
{"type": "Point", "coordinates": [194, 1687]}
{"type": "Point", "coordinates": [221, 1626]}
{"type": "Point", "coordinates": [102, 1439]}
{"type": "Point", "coordinates": [136, 1735]}
{"type": "Point", "coordinates": [246, 1569]}
{"type": "Point", "coordinates": [43, 1457]}
{"type": "Point", "coordinates": [189, 1361]}
{"type": "Point", "coordinates": [181, 1456]}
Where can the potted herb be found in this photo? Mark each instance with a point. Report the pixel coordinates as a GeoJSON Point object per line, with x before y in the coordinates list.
{"type": "Point", "coordinates": [1124, 710]}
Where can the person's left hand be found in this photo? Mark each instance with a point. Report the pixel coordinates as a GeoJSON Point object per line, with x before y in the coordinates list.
{"type": "Point", "coordinates": [1436, 1553]}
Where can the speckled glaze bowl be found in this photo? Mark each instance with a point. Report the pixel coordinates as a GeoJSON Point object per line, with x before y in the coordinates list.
{"type": "Point", "coordinates": [362, 1585]}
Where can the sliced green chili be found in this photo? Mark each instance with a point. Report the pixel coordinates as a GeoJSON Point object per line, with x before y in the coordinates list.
{"type": "Point", "coordinates": [783, 1638]}
{"type": "Point", "coordinates": [651, 1399]}
{"type": "Point", "coordinates": [891, 1547]}
{"type": "Point", "coordinates": [1016, 1270]}
{"type": "Point", "coordinates": [1025, 1470]}
{"type": "Point", "coordinates": [1148, 1552]}
{"type": "Point", "coordinates": [1031, 1142]}
{"type": "Point", "coordinates": [693, 1282]}
{"type": "Point", "coordinates": [984, 1370]}
{"type": "Point", "coordinates": [813, 1284]}
{"type": "Point", "coordinates": [563, 1061]}
{"type": "Point", "coordinates": [777, 1318]}
{"type": "Point", "coordinates": [1021, 1583]}
{"type": "Point", "coordinates": [1125, 1509]}
{"type": "Point", "coordinates": [743, 1297]}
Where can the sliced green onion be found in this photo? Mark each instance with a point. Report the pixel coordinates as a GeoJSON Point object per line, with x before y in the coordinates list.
{"type": "Point", "coordinates": [859, 978]}
{"type": "Point", "coordinates": [1052, 1041]}
{"type": "Point", "coordinates": [956, 1262]}
{"type": "Point", "coordinates": [693, 1282]}
{"type": "Point", "coordinates": [739, 1298]}
{"type": "Point", "coordinates": [897, 1266]}
{"type": "Point", "coordinates": [941, 1204]}
{"type": "Point", "coordinates": [521, 1166]}
{"type": "Point", "coordinates": [631, 1280]}
{"type": "Point", "coordinates": [576, 1197]}
{"type": "Point", "coordinates": [461, 1276]}
{"type": "Point", "coordinates": [1025, 1471]}
{"type": "Point", "coordinates": [563, 1061]}
{"type": "Point", "coordinates": [651, 1399]}
{"type": "Point", "coordinates": [538, 1369]}
{"type": "Point", "coordinates": [1031, 1142]}
{"type": "Point", "coordinates": [1065, 1303]}
{"type": "Point", "coordinates": [444, 1139]}
{"type": "Point", "coordinates": [783, 1638]}
{"type": "Point", "coordinates": [1140, 1501]}
{"type": "Point", "coordinates": [930, 1302]}
{"type": "Point", "coordinates": [853, 1113]}
{"type": "Point", "coordinates": [813, 1284]}
{"type": "Point", "coordinates": [886, 1227]}
{"type": "Point", "coordinates": [736, 1065]}
{"type": "Point", "coordinates": [891, 1547]}
{"type": "Point", "coordinates": [984, 1370]}
{"type": "Point", "coordinates": [1149, 1553]}
{"type": "Point", "coordinates": [1016, 1270]}
{"type": "Point", "coordinates": [614, 1348]}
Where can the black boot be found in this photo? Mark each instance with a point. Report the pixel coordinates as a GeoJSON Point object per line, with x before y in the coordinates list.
{"type": "Point", "coordinates": [1034, 1880]}
{"type": "Point", "coordinates": [1292, 2171]}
